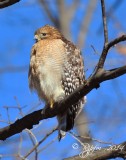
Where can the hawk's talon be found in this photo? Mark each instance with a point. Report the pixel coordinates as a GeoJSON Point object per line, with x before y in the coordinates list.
{"type": "Point", "coordinates": [51, 103]}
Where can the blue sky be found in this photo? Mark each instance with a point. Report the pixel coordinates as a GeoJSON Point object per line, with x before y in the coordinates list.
{"type": "Point", "coordinates": [18, 23]}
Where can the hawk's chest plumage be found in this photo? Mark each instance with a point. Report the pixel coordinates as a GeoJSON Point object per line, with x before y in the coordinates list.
{"type": "Point", "coordinates": [47, 67]}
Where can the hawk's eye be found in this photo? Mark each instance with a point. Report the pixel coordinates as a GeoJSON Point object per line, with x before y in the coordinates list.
{"type": "Point", "coordinates": [43, 34]}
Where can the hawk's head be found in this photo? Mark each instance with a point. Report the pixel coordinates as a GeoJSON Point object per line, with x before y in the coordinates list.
{"type": "Point", "coordinates": [47, 32]}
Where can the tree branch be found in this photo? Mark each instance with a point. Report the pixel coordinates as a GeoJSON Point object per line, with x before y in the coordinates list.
{"type": "Point", "coordinates": [6, 3]}
{"type": "Point", "coordinates": [106, 49]}
{"type": "Point", "coordinates": [104, 23]}
{"type": "Point", "coordinates": [110, 13]}
{"type": "Point", "coordinates": [41, 141]}
{"type": "Point", "coordinates": [92, 82]}
{"type": "Point", "coordinates": [102, 154]}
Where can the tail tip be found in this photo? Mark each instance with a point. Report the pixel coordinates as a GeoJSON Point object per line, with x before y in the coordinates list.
{"type": "Point", "coordinates": [61, 135]}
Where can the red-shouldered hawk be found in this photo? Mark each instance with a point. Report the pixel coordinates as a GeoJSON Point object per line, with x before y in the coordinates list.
{"type": "Point", "coordinates": [56, 70]}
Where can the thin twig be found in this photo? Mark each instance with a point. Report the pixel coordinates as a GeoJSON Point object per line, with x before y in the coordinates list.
{"type": "Point", "coordinates": [20, 144]}
{"type": "Point", "coordinates": [75, 137]}
{"type": "Point", "coordinates": [94, 50]}
{"type": "Point", "coordinates": [13, 155]}
{"type": "Point", "coordinates": [41, 141]}
{"type": "Point", "coordinates": [103, 56]}
{"type": "Point", "coordinates": [106, 49]}
{"type": "Point", "coordinates": [52, 141]}
{"type": "Point", "coordinates": [8, 115]}
{"type": "Point", "coordinates": [19, 106]}
{"type": "Point", "coordinates": [34, 142]}
{"type": "Point", "coordinates": [111, 15]}
{"type": "Point", "coordinates": [34, 139]}
{"type": "Point", "coordinates": [30, 133]}
{"type": "Point", "coordinates": [104, 23]}
{"type": "Point", "coordinates": [89, 138]}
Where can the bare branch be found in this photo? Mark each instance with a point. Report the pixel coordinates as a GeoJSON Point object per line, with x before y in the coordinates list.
{"type": "Point", "coordinates": [34, 142]}
{"type": "Point", "coordinates": [41, 141]}
{"type": "Point", "coordinates": [106, 49]}
{"type": "Point", "coordinates": [110, 14]}
{"type": "Point", "coordinates": [6, 3]}
{"type": "Point", "coordinates": [104, 23]}
{"type": "Point", "coordinates": [93, 82]}
{"type": "Point", "coordinates": [52, 141]}
{"type": "Point", "coordinates": [116, 41]}
{"type": "Point", "coordinates": [111, 74]}
{"type": "Point", "coordinates": [89, 138]}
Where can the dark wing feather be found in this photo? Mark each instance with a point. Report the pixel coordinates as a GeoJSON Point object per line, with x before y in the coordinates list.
{"type": "Point", "coordinates": [72, 79]}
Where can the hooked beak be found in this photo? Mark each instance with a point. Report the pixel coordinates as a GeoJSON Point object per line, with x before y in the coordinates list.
{"type": "Point", "coordinates": [36, 38]}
